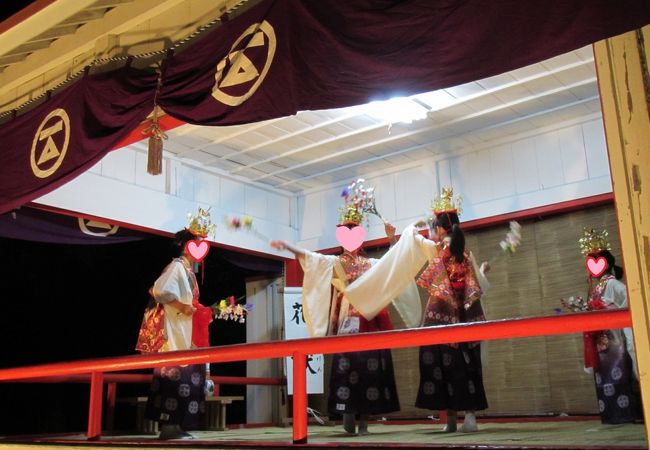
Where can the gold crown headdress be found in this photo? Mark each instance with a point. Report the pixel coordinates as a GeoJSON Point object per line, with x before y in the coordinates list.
{"type": "Point", "coordinates": [200, 225]}
{"type": "Point", "coordinates": [358, 200]}
{"type": "Point", "coordinates": [593, 241]}
{"type": "Point", "coordinates": [445, 203]}
{"type": "Point", "coordinates": [350, 214]}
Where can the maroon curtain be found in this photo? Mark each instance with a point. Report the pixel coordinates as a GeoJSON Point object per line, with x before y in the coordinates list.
{"type": "Point", "coordinates": [67, 134]}
{"type": "Point", "coordinates": [283, 56]}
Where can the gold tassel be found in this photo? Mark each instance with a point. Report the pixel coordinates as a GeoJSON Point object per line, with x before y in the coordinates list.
{"type": "Point", "coordinates": [155, 155]}
{"type": "Point", "coordinates": [156, 136]}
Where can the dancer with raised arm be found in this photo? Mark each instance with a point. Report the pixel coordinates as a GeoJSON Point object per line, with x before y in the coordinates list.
{"type": "Point", "coordinates": [450, 374]}
{"type": "Point", "coordinates": [361, 383]}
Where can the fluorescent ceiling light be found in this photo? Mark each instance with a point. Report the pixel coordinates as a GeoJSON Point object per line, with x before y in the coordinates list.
{"type": "Point", "coordinates": [397, 109]}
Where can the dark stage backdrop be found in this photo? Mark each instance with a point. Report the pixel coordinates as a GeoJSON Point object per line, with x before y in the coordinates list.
{"type": "Point", "coordinates": [70, 302]}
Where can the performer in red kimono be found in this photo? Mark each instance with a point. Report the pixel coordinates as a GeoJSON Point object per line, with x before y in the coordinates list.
{"type": "Point", "coordinates": [451, 375]}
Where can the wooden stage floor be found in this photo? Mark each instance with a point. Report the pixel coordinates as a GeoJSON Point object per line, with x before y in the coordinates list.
{"type": "Point", "coordinates": [546, 434]}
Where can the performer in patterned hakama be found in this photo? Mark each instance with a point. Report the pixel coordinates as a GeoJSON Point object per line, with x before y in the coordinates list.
{"type": "Point", "coordinates": [361, 383]}
{"type": "Point", "coordinates": [610, 353]}
{"type": "Point", "coordinates": [450, 374]}
{"type": "Point", "coordinates": [177, 393]}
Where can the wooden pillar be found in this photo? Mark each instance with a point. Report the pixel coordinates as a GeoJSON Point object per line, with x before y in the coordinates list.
{"type": "Point", "coordinates": [624, 81]}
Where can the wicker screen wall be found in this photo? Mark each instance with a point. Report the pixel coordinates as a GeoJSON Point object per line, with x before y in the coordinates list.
{"type": "Point", "coordinates": [531, 376]}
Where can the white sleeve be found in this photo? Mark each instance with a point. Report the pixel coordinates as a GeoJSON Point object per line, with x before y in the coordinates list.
{"type": "Point", "coordinates": [172, 285]}
{"type": "Point", "coordinates": [316, 290]}
{"type": "Point", "coordinates": [615, 294]}
{"type": "Point", "coordinates": [391, 275]}
{"type": "Point", "coordinates": [407, 304]}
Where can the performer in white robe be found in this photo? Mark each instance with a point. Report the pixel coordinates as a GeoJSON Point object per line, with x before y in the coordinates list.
{"type": "Point", "coordinates": [177, 396]}
{"type": "Point", "coordinates": [361, 383]}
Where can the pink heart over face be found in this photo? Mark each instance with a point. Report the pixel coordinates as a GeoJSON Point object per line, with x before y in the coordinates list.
{"type": "Point", "coordinates": [197, 250]}
{"type": "Point", "coordinates": [596, 267]}
{"type": "Point", "coordinates": [350, 239]}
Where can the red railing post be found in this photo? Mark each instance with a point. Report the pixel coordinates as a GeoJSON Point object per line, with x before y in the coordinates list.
{"type": "Point", "coordinates": [299, 398]}
{"type": "Point", "coordinates": [95, 405]}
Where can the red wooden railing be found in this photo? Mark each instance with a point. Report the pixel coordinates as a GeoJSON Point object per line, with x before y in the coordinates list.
{"type": "Point", "coordinates": [112, 379]}
{"type": "Point", "coordinates": [300, 348]}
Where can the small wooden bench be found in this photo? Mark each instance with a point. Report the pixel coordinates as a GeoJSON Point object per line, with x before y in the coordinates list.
{"type": "Point", "coordinates": [215, 413]}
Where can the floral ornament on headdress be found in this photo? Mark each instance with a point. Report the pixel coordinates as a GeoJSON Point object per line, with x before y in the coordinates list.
{"type": "Point", "coordinates": [201, 225]}
{"type": "Point", "coordinates": [593, 241]}
{"type": "Point", "coordinates": [445, 203]}
{"type": "Point", "coordinates": [358, 201]}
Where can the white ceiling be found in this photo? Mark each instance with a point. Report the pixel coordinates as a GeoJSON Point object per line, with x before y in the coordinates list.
{"type": "Point", "coordinates": [315, 148]}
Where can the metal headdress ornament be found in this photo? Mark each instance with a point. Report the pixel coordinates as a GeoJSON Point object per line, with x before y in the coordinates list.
{"type": "Point", "coordinates": [359, 200]}
{"type": "Point", "coordinates": [445, 203]}
{"type": "Point", "coordinates": [200, 225]}
{"type": "Point", "coordinates": [593, 241]}
{"type": "Point", "coordinates": [350, 214]}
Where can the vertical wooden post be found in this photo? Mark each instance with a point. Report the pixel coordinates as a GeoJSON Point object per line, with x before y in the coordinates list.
{"type": "Point", "coordinates": [95, 405]}
{"type": "Point", "coordinates": [624, 81]}
{"type": "Point", "coordinates": [299, 398]}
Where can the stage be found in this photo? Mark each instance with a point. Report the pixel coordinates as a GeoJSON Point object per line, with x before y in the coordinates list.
{"type": "Point", "coordinates": [565, 433]}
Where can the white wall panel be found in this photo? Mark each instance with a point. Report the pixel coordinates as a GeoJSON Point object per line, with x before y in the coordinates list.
{"type": "Point", "coordinates": [596, 148]}
{"type": "Point", "coordinates": [233, 196]}
{"type": "Point", "coordinates": [331, 201]}
{"type": "Point", "coordinates": [256, 202]}
{"type": "Point", "coordinates": [279, 209]}
{"type": "Point", "coordinates": [444, 173]}
{"type": "Point", "coordinates": [207, 187]}
{"type": "Point", "coordinates": [182, 180]}
{"type": "Point", "coordinates": [385, 196]}
{"type": "Point", "coordinates": [574, 158]}
{"type": "Point", "coordinates": [525, 166]}
{"type": "Point", "coordinates": [120, 165]}
{"type": "Point", "coordinates": [549, 160]}
{"type": "Point", "coordinates": [501, 171]}
{"type": "Point", "coordinates": [414, 190]}
{"type": "Point", "coordinates": [309, 216]}
{"type": "Point", "coordinates": [468, 176]}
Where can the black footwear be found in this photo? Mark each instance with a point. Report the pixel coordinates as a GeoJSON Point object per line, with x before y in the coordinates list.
{"type": "Point", "coordinates": [348, 424]}
{"type": "Point", "coordinates": [174, 433]}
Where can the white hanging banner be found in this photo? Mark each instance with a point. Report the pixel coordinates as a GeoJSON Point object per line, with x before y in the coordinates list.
{"type": "Point", "coordinates": [295, 328]}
